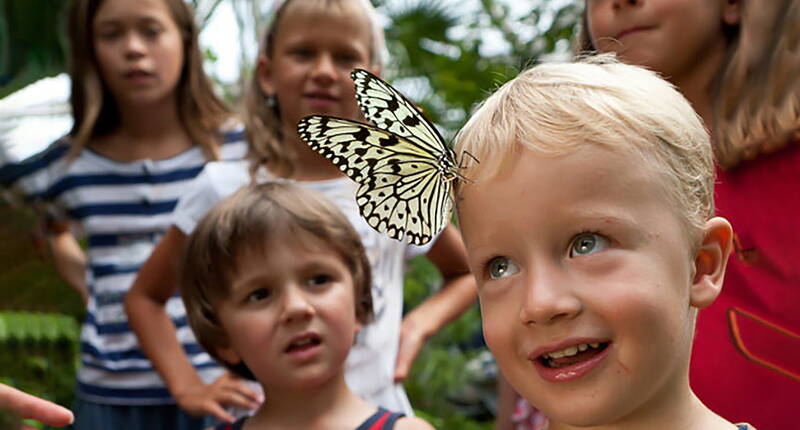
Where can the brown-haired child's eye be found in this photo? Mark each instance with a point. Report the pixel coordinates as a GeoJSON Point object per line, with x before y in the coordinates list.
{"type": "Point", "coordinates": [319, 279]}
{"type": "Point", "coordinates": [258, 295]}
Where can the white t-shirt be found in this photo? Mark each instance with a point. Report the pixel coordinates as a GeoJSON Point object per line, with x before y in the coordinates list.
{"type": "Point", "coordinates": [370, 365]}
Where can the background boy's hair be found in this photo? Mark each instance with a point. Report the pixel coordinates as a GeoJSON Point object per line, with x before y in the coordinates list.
{"type": "Point", "coordinates": [250, 221]}
{"type": "Point", "coordinates": [262, 115]}
{"type": "Point", "coordinates": [756, 96]}
{"type": "Point", "coordinates": [556, 108]}
{"type": "Point", "coordinates": [94, 110]}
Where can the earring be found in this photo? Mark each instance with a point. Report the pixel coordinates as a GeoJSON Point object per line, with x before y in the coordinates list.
{"type": "Point", "coordinates": [270, 101]}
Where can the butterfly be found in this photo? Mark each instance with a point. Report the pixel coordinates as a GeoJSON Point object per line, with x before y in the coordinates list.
{"type": "Point", "coordinates": [403, 165]}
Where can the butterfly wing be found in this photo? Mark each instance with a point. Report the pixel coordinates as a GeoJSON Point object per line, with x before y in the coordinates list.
{"type": "Point", "coordinates": [390, 110]}
{"type": "Point", "coordinates": [402, 190]}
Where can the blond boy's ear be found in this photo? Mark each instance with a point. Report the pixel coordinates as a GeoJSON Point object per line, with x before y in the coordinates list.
{"type": "Point", "coordinates": [710, 262]}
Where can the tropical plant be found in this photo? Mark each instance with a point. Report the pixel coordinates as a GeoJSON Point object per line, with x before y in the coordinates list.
{"type": "Point", "coordinates": [31, 42]}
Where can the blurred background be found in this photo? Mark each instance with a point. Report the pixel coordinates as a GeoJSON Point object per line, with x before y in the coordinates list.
{"type": "Point", "coordinates": [446, 55]}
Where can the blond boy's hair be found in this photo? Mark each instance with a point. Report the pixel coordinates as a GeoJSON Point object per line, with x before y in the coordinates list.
{"type": "Point", "coordinates": [556, 108]}
{"type": "Point", "coordinates": [250, 221]}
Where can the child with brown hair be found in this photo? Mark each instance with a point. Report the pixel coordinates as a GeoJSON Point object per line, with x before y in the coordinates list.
{"type": "Point", "coordinates": [590, 229]}
{"type": "Point", "coordinates": [276, 284]}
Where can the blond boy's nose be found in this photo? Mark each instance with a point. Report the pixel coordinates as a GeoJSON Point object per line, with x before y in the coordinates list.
{"type": "Point", "coordinates": [547, 300]}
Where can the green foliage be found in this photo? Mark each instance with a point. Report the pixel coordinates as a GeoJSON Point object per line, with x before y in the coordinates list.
{"type": "Point", "coordinates": [27, 281]}
{"type": "Point", "coordinates": [444, 45]}
{"type": "Point", "coordinates": [39, 316]}
{"type": "Point", "coordinates": [439, 374]}
{"type": "Point", "coordinates": [39, 355]}
{"type": "Point", "coordinates": [32, 42]}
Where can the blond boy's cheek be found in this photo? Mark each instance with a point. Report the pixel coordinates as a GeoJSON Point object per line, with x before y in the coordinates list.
{"type": "Point", "coordinates": [497, 330]}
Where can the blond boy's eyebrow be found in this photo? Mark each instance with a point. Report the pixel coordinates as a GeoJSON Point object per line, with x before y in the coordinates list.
{"type": "Point", "coordinates": [607, 217]}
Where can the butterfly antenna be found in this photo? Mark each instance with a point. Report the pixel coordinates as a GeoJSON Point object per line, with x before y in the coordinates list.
{"type": "Point", "coordinates": [463, 160]}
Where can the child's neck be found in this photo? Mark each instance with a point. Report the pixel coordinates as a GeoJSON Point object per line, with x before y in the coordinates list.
{"type": "Point", "coordinates": [326, 406]}
{"type": "Point", "coordinates": [697, 84]}
{"type": "Point", "coordinates": [153, 131]}
{"type": "Point", "coordinates": [309, 165]}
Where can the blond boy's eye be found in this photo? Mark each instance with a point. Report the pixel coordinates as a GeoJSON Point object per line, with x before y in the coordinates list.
{"type": "Point", "coordinates": [501, 267]}
{"type": "Point", "coordinates": [586, 244]}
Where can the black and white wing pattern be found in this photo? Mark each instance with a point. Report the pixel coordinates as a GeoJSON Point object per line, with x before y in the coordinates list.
{"type": "Point", "coordinates": [404, 167]}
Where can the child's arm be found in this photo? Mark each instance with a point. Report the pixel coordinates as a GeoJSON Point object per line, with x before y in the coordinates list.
{"type": "Point", "coordinates": [68, 258]}
{"type": "Point", "coordinates": [145, 306]}
{"type": "Point", "coordinates": [413, 423]}
{"type": "Point", "coordinates": [456, 296]}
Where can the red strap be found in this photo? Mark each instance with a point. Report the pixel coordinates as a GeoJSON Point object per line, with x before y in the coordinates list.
{"type": "Point", "coordinates": [378, 425]}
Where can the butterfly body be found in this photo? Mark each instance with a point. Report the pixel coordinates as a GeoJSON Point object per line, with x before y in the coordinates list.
{"type": "Point", "coordinates": [404, 167]}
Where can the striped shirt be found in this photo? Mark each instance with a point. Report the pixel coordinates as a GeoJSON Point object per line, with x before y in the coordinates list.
{"type": "Point", "coordinates": [123, 208]}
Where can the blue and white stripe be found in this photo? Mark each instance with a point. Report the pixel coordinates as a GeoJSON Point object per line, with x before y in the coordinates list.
{"type": "Point", "coordinates": [124, 208]}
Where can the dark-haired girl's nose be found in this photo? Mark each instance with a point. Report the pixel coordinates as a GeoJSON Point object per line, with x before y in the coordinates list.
{"type": "Point", "coordinates": [324, 71]}
{"type": "Point", "coordinates": [134, 46]}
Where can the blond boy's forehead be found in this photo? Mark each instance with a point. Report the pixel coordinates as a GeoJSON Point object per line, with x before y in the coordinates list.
{"type": "Point", "coordinates": [558, 108]}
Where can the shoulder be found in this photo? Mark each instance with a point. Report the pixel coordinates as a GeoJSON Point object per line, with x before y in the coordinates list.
{"type": "Point", "coordinates": [412, 423]}
{"type": "Point", "coordinates": [32, 175]}
{"type": "Point", "coordinates": [232, 133]}
{"type": "Point", "coordinates": [222, 177]}
{"type": "Point", "coordinates": [233, 142]}
{"type": "Point", "coordinates": [14, 168]}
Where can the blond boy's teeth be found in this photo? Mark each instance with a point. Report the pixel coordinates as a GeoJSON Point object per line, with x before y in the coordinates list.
{"type": "Point", "coordinates": [572, 350]}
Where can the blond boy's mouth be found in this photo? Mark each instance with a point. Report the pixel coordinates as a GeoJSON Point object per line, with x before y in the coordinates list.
{"type": "Point", "coordinates": [572, 355]}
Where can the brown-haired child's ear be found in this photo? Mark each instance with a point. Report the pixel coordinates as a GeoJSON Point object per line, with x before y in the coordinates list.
{"type": "Point", "coordinates": [710, 262]}
{"type": "Point", "coordinates": [732, 12]}
{"type": "Point", "coordinates": [229, 355]}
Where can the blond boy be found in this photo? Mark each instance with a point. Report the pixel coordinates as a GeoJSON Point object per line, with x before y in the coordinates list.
{"type": "Point", "coordinates": [589, 227]}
